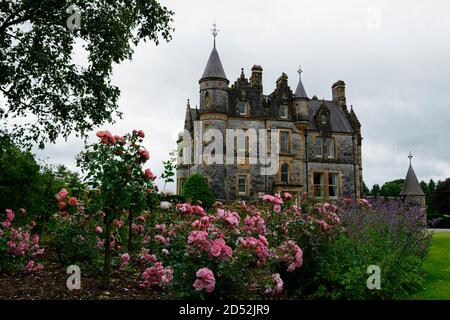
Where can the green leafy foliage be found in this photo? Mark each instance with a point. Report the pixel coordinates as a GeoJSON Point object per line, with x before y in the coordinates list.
{"type": "Point", "coordinates": [441, 198]}
{"type": "Point", "coordinates": [40, 77]}
{"type": "Point", "coordinates": [196, 189]}
{"type": "Point", "coordinates": [24, 183]}
{"type": "Point", "coordinates": [392, 188]}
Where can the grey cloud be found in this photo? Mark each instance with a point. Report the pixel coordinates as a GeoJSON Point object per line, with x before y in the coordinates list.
{"type": "Point", "coordinates": [397, 76]}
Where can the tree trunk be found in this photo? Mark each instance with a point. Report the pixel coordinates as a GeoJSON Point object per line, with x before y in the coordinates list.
{"type": "Point", "coordinates": [130, 231]}
{"type": "Point", "coordinates": [107, 266]}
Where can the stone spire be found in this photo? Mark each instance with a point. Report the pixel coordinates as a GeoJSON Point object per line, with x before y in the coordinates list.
{"type": "Point", "coordinates": [214, 69]}
{"type": "Point", "coordinates": [411, 186]}
{"type": "Point", "coordinates": [300, 91]}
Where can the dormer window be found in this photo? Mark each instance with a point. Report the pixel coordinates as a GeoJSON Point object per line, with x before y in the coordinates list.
{"type": "Point", "coordinates": [243, 108]}
{"type": "Point", "coordinates": [283, 111]}
{"type": "Point", "coordinates": [324, 119]}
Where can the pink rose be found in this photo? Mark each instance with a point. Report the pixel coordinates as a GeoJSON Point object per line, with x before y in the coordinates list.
{"type": "Point", "coordinates": [73, 201]}
{"type": "Point", "coordinates": [98, 229]}
{"type": "Point", "coordinates": [62, 205]}
{"type": "Point", "coordinates": [61, 195]}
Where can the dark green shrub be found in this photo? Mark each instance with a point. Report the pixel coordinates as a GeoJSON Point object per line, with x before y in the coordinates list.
{"type": "Point", "coordinates": [196, 189]}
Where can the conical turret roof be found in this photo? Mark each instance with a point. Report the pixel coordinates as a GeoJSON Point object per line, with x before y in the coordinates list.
{"type": "Point", "coordinates": [300, 91]}
{"type": "Point", "coordinates": [214, 67]}
{"type": "Point", "coordinates": [411, 186]}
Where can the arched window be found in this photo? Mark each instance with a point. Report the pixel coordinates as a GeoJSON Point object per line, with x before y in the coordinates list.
{"type": "Point", "coordinates": [284, 173]}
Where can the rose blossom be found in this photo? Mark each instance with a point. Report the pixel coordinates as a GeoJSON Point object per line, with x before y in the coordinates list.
{"type": "Point", "coordinates": [73, 201]}
{"type": "Point", "coordinates": [205, 280]}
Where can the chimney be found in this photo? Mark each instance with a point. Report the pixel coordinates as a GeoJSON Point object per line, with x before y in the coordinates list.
{"type": "Point", "coordinates": [338, 90]}
{"type": "Point", "coordinates": [282, 80]}
{"type": "Point", "coordinates": [256, 78]}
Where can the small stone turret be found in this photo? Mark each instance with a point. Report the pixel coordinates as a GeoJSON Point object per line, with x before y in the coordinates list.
{"type": "Point", "coordinates": [214, 86]}
{"type": "Point", "coordinates": [301, 102]}
{"type": "Point", "coordinates": [412, 193]}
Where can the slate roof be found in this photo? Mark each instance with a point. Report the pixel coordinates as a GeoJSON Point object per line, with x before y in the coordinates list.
{"type": "Point", "coordinates": [214, 67]}
{"type": "Point", "coordinates": [300, 91]}
{"type": "Point", "coordinates": [339, 121]}
{"type": "Point", "coordinates": [193, 114]}
{"type": "Point", "coordinates": [411, 187]}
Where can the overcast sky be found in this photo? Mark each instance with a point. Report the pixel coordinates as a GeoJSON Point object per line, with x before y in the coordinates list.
{"type": "Point", "coordinates": [394, 57]}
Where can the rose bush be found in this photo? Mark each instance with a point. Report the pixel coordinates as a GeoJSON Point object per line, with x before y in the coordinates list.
{"type": "Point", "coordinates": [20, 249]}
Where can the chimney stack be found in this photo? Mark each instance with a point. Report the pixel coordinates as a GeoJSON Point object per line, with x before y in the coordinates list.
{"type": "Point", "coordinates": [338, 90]}
{"type": "Point", "coordinates": [256, 78]}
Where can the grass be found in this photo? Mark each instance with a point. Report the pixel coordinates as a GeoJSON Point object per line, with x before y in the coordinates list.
{"type": "Point", "coordinates": [437, 270]}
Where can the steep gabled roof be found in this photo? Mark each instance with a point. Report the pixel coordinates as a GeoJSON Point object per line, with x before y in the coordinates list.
{"type": "Point", "coordinates": [338, 119]}
{"type": "Point", "coordinates": [411, 186]}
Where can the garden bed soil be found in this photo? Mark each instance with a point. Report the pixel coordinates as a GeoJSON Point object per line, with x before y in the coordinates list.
{"type": "Point", "coordinates": [50, 284]}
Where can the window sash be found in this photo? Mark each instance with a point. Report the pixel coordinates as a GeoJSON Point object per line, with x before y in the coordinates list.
{"type": "Point", "coordinates": [319, 147]}
{"type": "Point", "coordinates": [330, 148]}
{"type": "Point", "coordinates": [242, 108]}
{"type": "Point", "coordinates": [318, 185]}
{"type": "Point", "coordinates": [284, 177]}
{"type": "Point", "coordinates": [284, 142]}
{"type": "Point", "coordinates": [242, 184]}
{"type": "Point", "coordinates": [283, 111]}
{"type": "Point", "coordinates": [333, 185]}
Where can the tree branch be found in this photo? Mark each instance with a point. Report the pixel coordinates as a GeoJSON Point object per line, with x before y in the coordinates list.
{"type": "Point", "coordinates": [8, 22]}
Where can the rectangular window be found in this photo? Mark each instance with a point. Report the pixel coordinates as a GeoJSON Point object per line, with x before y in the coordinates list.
{"type": "Point", "coordinates": [319, 147]}
{"type": "Point", "coordinates": [242, 184]}
{"type": "Point", "coordinates": [330, 148]}
{"type": "Point", "coordinates": [241, 142]}
{"type": "Point", "coordinates": [333, 185]}
{"type": "Point", "coordinates": [283, 111]}
{"type": "Point", "coordinates": [318, 184]}
{"type": "Point", "coordinates": [284, 142]}
{"type": "Point", "coordinates": [242, 108]}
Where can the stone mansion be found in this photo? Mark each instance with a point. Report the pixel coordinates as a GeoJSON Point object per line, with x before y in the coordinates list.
{"type": "Point", "coordinates": [319, 140]}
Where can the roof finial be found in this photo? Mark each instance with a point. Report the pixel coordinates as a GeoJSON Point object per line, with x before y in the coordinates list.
{"type": "Point", "coordinates": [214, 31]}
{"type": "Point", "coordinates": [410, 157]}
{"type": "Point", "coordinates": [300, 71]}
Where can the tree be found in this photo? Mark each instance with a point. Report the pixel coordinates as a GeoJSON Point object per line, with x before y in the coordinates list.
{"type": "Point", "coordinates": [392, 188]}
{"type": "Point", "coordinates": [196, 189]}
{"type": "Point", "coordinates": [429, 198]}
{"type": "Point", "coordinates": [441, 198]}
{"type": "Point", "coordinates": [24, 183]}
{"type": "Point", "coordinates": [40, 78]}
{"type": "Point", "coordinates": [366, 191]}
{"type": "Point", "coordinates": [376, 190]}
{"type": "Point", "coordinates": [19, 178]}
{"type": "Point", "coordinates": [113, 168]}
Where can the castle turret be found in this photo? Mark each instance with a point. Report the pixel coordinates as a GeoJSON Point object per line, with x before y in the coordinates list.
{"type": "Point", "coordinates": [412, 193]}
{"type": "Point", "coordinates": [214, 84]}
{"type": "Point", "coordinates": [301, 101]}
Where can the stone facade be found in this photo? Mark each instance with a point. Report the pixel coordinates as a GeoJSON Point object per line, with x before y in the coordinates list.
{"type": "Point", "coordinates": [320, 140]}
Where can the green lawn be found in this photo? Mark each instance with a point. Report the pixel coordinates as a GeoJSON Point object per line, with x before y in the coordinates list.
{"type": "Point", "coordinates": [437, 270]}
